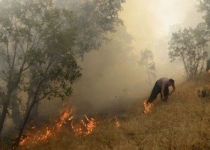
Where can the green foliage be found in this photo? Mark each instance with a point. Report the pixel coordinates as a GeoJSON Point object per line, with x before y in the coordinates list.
{"type": "Point", "coordinates": [43, 37]}
{"type": "Point", "coordinates": [204, 6]}
{"type": "Point", "coordinates": [189, 46]}
{"type": "Point", "coordinates": [94, 19]}
{"type": "Point", "coordinates": [37, 43]}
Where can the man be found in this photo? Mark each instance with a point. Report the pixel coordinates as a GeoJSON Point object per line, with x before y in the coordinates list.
{"type": "Point", "coordinates": [161, 86]}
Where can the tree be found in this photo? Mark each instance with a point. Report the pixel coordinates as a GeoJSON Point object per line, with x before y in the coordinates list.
{"type": "Point", "coordinates": [146, 59]}
{"type": "Point", "coordinates": [189, 46]}
{"type": "Point", "coordinates": [204, 7]}
{"type": "Point", "coordinates": [37, 43]}
{"type": "Point", "coordinates": [94, 19]}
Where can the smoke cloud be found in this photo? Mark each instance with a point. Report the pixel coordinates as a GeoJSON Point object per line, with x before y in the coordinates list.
{"type": "Point", "coordinates": [150, 23]}
{"type": "Point", "coordinates": [112, 75]}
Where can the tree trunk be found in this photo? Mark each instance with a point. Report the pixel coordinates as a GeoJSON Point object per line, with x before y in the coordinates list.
{"type": "Point", "coordinates": [16, 116]}
{"type": "Point", "coordinates": [31, 93]}
{"type": "Point", "coordinates": [23, 125]}
{"type": "Point", "coordinates": [4, 111]}
{"type": "Point", "coordinates": [35, 112]}
{"type": "Point", "coordinates": [208, 65]}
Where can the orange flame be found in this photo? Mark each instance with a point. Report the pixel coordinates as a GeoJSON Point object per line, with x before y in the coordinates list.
{"type": "Point", "coordinates": [23, 140]}
{"type": "Point", "coordinates": [42, 137]}
{"type": "Point", "coordinates": [117, 122]}
{"type": "Point", "coordinates": [147, 107]}
{"type": "Point", "coordinates": [37, 138]}
{"type": "Point", "coordinates": [45, 136]}
{"type": "Point", "coordinates": [84, 126]}
{"type": "Point", "coordinates": [63, 118]}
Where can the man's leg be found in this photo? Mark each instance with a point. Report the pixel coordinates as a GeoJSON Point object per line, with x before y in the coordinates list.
{"type": "Point", "coordinates": [154, 93]}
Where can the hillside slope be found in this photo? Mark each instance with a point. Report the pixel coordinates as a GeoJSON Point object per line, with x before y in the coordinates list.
{"type": "Point", "coordinates": [181, 123]}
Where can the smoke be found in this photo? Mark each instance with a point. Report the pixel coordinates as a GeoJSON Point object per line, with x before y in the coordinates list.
{"type": "Point", "coordinates": [151, 24]}
{"type": "Point", "coordinates": [112, 76]}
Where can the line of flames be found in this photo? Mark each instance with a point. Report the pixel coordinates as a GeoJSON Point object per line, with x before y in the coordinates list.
{"type": "Point", "coordinates": [83, 127]}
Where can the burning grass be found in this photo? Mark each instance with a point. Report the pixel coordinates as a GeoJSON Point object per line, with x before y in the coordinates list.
{"type": "Point", "coordinates": [147, 107]}
{"type": "Point", "coordinates": [181, 123]}
{"type": "Point", "coordinates": [84, 126]}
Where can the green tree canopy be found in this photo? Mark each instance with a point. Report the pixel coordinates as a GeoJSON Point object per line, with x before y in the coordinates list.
{"type": "Point", "coordinates": [93, 19]}
{"type": "Point", "coordinates": [204, 6]}
{"type": "Point", "coordinates": [37, 41]}
{"type": "Point", "coordinates": [189, 45]}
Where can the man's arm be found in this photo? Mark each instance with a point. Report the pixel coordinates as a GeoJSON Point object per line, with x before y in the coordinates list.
{"type": "Point", "coordinates": [162, 91]}
{"type": "Point", "coordinates": [174, 88]}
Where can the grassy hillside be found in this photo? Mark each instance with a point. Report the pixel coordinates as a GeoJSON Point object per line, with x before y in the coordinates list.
{"type": "Point", "coordinates": [182, 123]}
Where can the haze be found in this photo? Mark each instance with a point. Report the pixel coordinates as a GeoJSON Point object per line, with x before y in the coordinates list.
{"type": "Point", "coordinates": [109, 78]}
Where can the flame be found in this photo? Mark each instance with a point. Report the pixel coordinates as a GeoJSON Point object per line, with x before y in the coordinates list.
{"type": "Point", "coordinates": [63, 118]}
{"type": "Point", "coordinates": [117, 122]}
{"type": "Point", "coordinates": [147, 107]}
{"type": "Point", "coordinates": [22, 141]}
{"type": "Point", "coordinates": [35, 137]}
{"type": "Point", "coordinates": [45, 136]}
{"type": "Point", "coordinates": [38, 137]}
{"type": "Point", "coordinates": [83, 127]}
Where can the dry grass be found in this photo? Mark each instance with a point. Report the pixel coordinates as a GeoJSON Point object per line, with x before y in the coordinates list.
{"type": "Point", "coordinates": [182, 123]}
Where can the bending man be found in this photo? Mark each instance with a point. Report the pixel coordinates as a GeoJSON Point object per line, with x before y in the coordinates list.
{"type": "Point", "coordinates": [161, 86]}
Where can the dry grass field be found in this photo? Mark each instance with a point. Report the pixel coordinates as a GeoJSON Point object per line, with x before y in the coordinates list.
{"type": "Point", "coordinates": [182, 123]}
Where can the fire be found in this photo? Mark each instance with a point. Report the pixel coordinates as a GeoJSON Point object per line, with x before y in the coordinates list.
{"type": "Point", "coordinates": [46, 135]}
{"type": "Point", "coordinates": [48, 132]}
{"type": "Point", "coordinates": [117, 122]}
{"type": "Point", "coordinates": [23, 140]}
{"type": "Point", "coordinates": [147, 107]}
{"type": "Point", "coordinates": [63, 118]}
{"type": "Point", "coordinates": [38, 137]}
{"type": "Point", "coordinates": [84, 126]}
